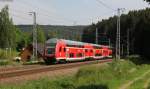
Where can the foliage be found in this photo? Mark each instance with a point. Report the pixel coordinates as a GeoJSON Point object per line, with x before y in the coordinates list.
{"type": "Point", "coordinates": [4, 62]}
{"type": "Point", "coordinates": [10, 35]}
{"type": "Point", "coordinates": [7, 30]}
{"type": "Point", "coordinates": [147, 0]}
{"type": "Point", "coordinates": [90, 77]}
{"type": "Point", "coordinates": [52, 31]}
{"type": "Point", "coordinates": [7, 54]}
{"type": "Point", "coordinates": [136, 22]}
{"type": "Point", "coordinates": [41, 38]}
{"type": "Point", "coordinates": [140, 84]}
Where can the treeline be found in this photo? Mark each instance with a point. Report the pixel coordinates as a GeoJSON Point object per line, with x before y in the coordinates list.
{"type": "Point", "coordinates": [11, 36]}
{"type": "Point", "coordinates": [57, 31]}
{"type": "Point", "coordinates": [147, 1]}
{"type": "Point", "coordinates": [19, 36]}
{"type": "Point", "coordinates": [136, 22]}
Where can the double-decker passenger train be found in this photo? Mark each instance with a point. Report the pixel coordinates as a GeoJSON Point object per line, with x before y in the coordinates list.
{"type": "Point", "coordinates": [60, 50]}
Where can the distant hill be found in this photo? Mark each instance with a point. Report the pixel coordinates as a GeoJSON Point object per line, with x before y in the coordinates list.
{"type": "Point", "coordinates": [65, 32]}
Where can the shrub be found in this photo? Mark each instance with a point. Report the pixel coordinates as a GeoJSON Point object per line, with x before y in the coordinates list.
{"type": "Point", "coordinates": [4, 62]}
{"type": "Point", "coordinates": [138, 60]}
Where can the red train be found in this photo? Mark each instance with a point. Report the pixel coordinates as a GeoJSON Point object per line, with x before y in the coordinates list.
{"type": "Point", "coordinates": [60, 50]}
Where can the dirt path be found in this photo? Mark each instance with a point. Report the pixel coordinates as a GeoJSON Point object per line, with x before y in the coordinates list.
{"type": "Point", "coordinates": [146, 84]}
{"type": "Point", "coordinates": [125, 86]}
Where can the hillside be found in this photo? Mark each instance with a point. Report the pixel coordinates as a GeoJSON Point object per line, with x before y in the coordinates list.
{"type": "Point", "coordinates": [66, 32]}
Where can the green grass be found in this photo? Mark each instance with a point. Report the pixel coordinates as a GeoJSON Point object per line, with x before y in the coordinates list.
{"type": "Point", "coordinates": [148, 86]}
{"type": "Point", "coordinates": [139, 84]}
{"type": "Point", "coordinates": [6, 57]}
{"type": "Point", "coordinates": [109, 76]}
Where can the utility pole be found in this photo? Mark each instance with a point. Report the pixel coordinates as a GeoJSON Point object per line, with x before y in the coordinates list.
{"type": "Point", "coordinates": [96, 38]}
{"type": "Point", "coordinates": [34, 35]}
{"type": "Point", "coordinates": [122, 50]}
{"type": "Point", "coordinates": [119, 10]}
{"type": "Point", "coordinates": [109, 42]}
{"type": "Point", "coordinates": [128, 42]}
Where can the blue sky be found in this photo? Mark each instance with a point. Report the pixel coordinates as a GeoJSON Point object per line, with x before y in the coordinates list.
{"type": "Point", "coordinates": [67, 12]}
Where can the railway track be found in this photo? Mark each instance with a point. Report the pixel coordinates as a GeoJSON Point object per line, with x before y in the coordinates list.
{"type": "Point", "coordinates": [34, 70]}
{"type": "Point", "coordinates": [6, 69]}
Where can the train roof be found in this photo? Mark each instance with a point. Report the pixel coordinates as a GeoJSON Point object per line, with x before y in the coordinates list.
{"type": "Point", "coordinates": [70, 42]}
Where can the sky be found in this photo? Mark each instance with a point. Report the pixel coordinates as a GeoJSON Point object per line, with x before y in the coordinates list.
{"type": "Point", "coordinates": [67, 12]}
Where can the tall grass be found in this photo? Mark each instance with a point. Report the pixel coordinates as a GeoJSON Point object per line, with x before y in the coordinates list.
{"type": "Point", "coordinates": [6, 57]}
{"type": "Point", "coordinates": [109, 76]}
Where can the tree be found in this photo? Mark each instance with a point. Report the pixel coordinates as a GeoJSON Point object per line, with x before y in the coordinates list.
{"type": "Point", "coordinates": [139, 27]}
{"type": "Point", "coordinates": [147, 1]}
{"type": "Point", "coordinates": [41, 38]}
{"type": "Point", "coordinates": [7, 30]}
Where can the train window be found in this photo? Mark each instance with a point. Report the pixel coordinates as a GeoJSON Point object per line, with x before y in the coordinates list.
{"type": "Point", "coordinates": [71, 55]}
{"type": "Point", "coordinates": [91, 51]}
{"type": "Point", "coordinates": [64, 49]}
{"type": "Point", "coordinates": [50, 50]}
{"type": "Point", "coordinates": [60, 49]}
{"type": "Point", "coordinates": [67, 54]}
{"type": "Point", "coordinates": [98, 54]}
{"type": "Point", "coordinates": [86, 50]}
{"type": "Point", "coordinates": [79, 55]}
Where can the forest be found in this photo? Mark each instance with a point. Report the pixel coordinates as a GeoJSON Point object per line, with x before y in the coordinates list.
{"type": "Point", "coordinates": [136, 23]}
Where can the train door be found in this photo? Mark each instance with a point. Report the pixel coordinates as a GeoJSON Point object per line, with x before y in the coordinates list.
{"type": "Point", "coordinates": [105, 52]}
{"type": "Point", "coordinates": [60, 51]}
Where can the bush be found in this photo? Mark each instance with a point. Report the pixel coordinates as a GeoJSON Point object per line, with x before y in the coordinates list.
{"type": "Point", "coordinates": [7, 54]}
{"type": "Point", "coordinates": [4, 62]}
{"type": "Point", "coordinates": [138, 60]}
{"type": "Point", "coordinates": [7, 57]}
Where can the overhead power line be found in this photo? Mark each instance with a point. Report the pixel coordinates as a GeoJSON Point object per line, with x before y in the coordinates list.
{"type": "Point", "coordinates": [45, 12]}
{"type": "Point", "coordinates": [105, 5]}
{"type": "Point", "coordinates": [21, 17]}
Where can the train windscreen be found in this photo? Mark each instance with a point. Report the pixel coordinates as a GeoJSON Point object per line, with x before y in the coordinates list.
{"type": "Point", "coordinates": [50, 50]}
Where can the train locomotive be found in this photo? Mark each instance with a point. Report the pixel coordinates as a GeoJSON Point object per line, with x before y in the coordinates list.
{"type": "Point", "coordinates": [61, 50]}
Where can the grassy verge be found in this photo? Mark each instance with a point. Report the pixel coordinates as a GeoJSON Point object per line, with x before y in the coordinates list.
{"type": "Point", "coordinates": [7, 57]}
{"type": "Point", "coordinates": [140, 84]}
{"type": "Point", "coordinates": [110, 76]}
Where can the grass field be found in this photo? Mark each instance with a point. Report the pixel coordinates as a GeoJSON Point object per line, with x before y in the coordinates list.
{"type": "Point", "coordinates": [7, 57]}
{"type": "Point", "coordinates": [111, 76]}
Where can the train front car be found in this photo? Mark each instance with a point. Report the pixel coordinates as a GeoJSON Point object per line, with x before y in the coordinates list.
{"type": "Point", "coordinates": [49, 51]}
{"type": "Point", "coordinates": [61, 50]}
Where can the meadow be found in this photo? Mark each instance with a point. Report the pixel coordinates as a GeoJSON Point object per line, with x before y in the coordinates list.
{"type": "Point", "coordinates": [111, 76]}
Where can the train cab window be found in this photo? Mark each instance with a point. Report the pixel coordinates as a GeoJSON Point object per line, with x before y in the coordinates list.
{"type": "Point", "coordinates": [50, 50]}
{"type": "Point", "coordinates": [71, 55]}
{"type": "Point", "coordinates": [60, 49]}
